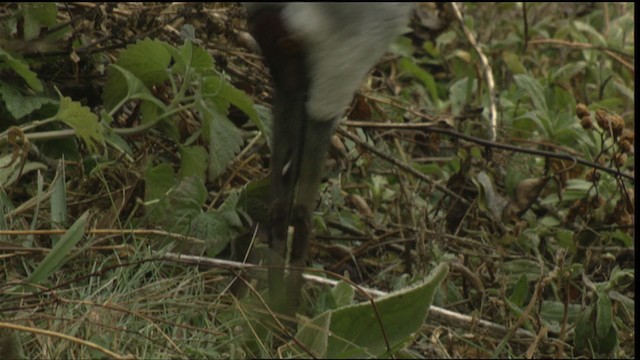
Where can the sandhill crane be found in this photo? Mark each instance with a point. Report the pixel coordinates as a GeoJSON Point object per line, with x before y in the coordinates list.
{"type": "Point", "coordinates": [317, 54]}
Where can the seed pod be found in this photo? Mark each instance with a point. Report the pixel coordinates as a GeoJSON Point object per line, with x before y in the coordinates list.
{"type": "Point", "coordinates": [592, 175]}
{"type": "Point", "coordinates": [581, 110]}
{"type": "Point", "coordinates": [620, 159]}
{"type": "Point", "coordinates": [603, 119]}
{"type": "Point", "coordinates": [586, 122]}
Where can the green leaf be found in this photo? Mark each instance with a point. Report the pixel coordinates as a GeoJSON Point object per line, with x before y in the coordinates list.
{"type": "Point", "coordinates": [532, 88]}
{"type": "Point", "coordinates": [460, 92]}
{"type": "Point", "coordinates": [148, 60]}
{"type": "Point", "coordinates": [343, 294]}
{"type": "Point", "coordinates": [122, 86]}
{"type": "Point", "coordinates": [21, 68]}
{"type": "Point", "coordinates": [583, 330]}
{"type": "Point", "coordinates": [157, 182]}
{"type": "Point", "coordinates": [19, 105]}
{"type": "Point", "coordinates": [604, 315]}
{"type": "Point", "coordinates": [407, 65]}
{"type": "Point", "coordinates": [215, 230]}
{"type": "Point", "coordinates": [218, 87]}
{"type": "Point", "coordinates": [180, 206]}
{"type": "Point", "coordinates": [58, 201]}
{"type": "Point", "coordinates": [520, 292]}
{"type": "Point", "coordinates": [355, 331]}
{"type": "Point", "coordinates": [83, 121]}
{"type": "Point", "coordinates": [514, 269]}
{"type": "Point", "coordinates": [59, 253]}
{"type": "Point", "coordinates": [193, 161]}
{"type": "Point", "coordinates": [139, 67]}
{"type": "Point", "coordinates": [314, 335]}
{"type": "Point", "coordinates": [224, 139]}
{"type": "Point", "coordinates": [36, 16]}
{"type": "Point", "coordinates": [513, 63]}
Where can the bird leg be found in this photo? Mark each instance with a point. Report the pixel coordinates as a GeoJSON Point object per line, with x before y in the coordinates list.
{"type": "Point", "coordinates": [295, 186]}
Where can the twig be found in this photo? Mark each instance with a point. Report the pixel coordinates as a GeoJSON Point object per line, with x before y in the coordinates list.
{"type": "Point", "coordinates": [436, 313]}
{"type": "Point", "coordinates": [488, 143]}
{"type": "Point", "coordinates": [488, 73]}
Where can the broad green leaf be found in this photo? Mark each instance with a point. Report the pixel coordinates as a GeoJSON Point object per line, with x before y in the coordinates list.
{"type": "Point", "coordinates": [218, 87]}
{"type": "Point", "coordinates": [224, 139]}
{"type": "Point", "coordinates": [19, 105]}
{"type": "Point", "coordinates": [343, 294]}
{"type": "Point", "coordinates": [123, 85]}
{"type": "Point", "coordinates": [38, 15]}
{"type": "Point", "coordinates": [193, 161]}
{"type": "Point", "coordinates": [201, 60]}
{"type": "Point", "coordinates": [604, 315]}
{"type": "Point", "coordinates": [148, 60]}
{"type": "Point", "coordinates": [606, 344]}
{"type": "Point", "coordinates": [314, 335]}
{"type": "Point", "coordinates": [552, 312]}
{"type": "Point", "coordinates": [594, 35]}
{"type": "Point", "coordinates": [83, 121]}
{"type": "Point", "coordinates": [21, 68]}
{"type": "Point", "coordinates": [355, 331]}
{"type": "Point", "coordinates": [157, 182]}
{"type": "Point", "coordinates": [59, 253]}
{"type": "Point", "coordinates": [181, 205]}
{"type": "Point", "coordinates": [583, 329]}
{"type": "Point", "coordinates": [214, 230]}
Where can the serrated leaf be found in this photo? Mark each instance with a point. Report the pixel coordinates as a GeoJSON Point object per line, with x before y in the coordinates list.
{"type": "Point", "coordinates": [148, 60]}
{"type": "Point", "coordinates": [213, 228]}
{"type": "Point", "coordinates": [201, 60]}
{"type": "Point", "coordinates": [139, 67]}
{"type": "Point", "coordinates": [181, 205]}
{"type": "Point", "coordinates": [224, 139]}
{"type": "Point", "coordinates": [83, 121]}
{"type": "Point", "coordinates": [123, 85]}
{"type": "Point", "coordinates": [21, 68]}
{"type": "Point", "coordinates": [18, 105]}
{"type": "Point", "coordinates": [218, 87]}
